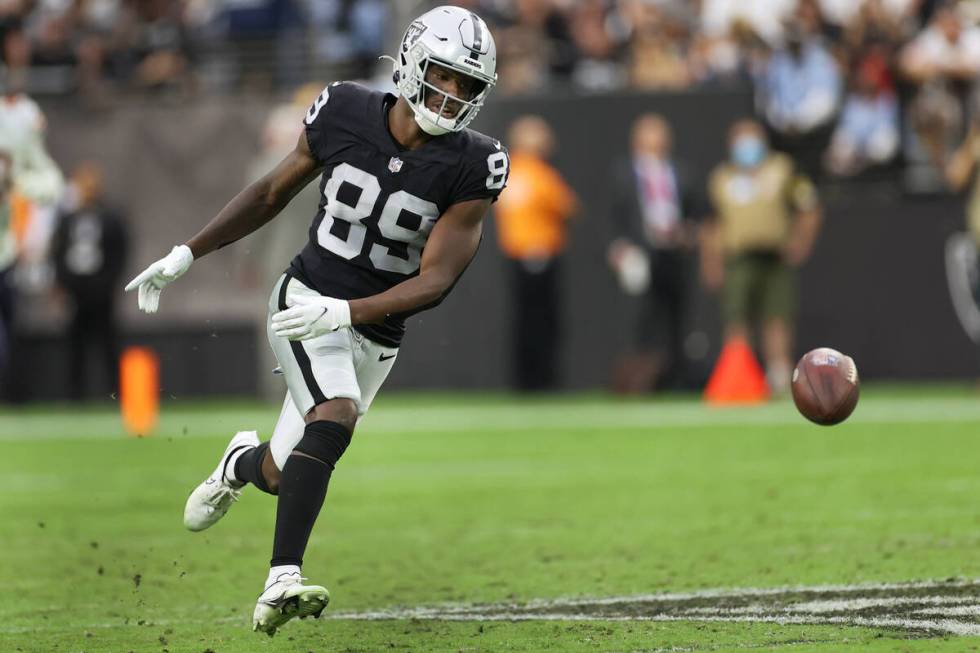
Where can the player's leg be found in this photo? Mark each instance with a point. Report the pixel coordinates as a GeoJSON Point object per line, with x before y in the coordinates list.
{"type": "Point", "coordinates": [245, 460]}
{"type": "Point", "coordinates": [262, 465]}
{"type": "Point", "coordinates": [214, 496]}
{"type": "Point", "coordinates": [372, 364]}
{"type": "Point", "coordinates": [309, 465]}
{"type": "Point", "coordinates": [323, 385]}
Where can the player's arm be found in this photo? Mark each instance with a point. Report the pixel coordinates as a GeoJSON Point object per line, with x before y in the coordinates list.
{"type": "Point", "coordinates": [450, 248]}
{"type": "Point", "coordinates": [246, 212]}
{"type": "Point", "coordinates": [259, 202]}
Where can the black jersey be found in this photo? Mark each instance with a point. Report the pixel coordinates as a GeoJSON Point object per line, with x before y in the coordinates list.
{"type": "Point", "coordinates": [379, 201]}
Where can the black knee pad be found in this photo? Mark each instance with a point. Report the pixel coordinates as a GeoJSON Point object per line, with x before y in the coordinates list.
{"type": "Point", "coordinates": [257, 457]}
{"type": "Point", "coordinates": [325, 441]}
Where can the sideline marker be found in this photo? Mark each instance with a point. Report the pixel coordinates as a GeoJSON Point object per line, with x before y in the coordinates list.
{"type": "Point", "coordinates": [737, 378]}
{"type": "Point", "coordinates": [139, 388]}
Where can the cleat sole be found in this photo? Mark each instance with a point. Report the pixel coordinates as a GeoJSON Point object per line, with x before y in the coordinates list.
{"type": "Point", "coordinates": [310, 600]}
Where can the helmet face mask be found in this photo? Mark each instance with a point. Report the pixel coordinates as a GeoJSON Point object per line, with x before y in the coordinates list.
{"type": "Point", "coordinates": [443, 107]}
{"type": "Point", "coordinates": [448, 38]}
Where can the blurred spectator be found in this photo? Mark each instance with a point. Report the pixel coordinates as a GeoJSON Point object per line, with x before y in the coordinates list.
{"type": "Point", "coordinates": [658, 49]}
{"type": "Point", "coordinates": [765, 18]}
{"type": "Point", "coordinates": [653, 204]}
{"type": "Point", "coordinates": [16, 47]}
{"type": "Point", "coordinates": [766, 219]}
{"type": "Point", "coordinates": [598, 65]}
{"type": "Point", "coordinates": [942, 61]}
{"type": "Point", "coordinates": [963, 173]}
{"type": "Point", "coordinates": [886, 21]}
{"type": "Point", "coordinates": [37, 179]}
{"type": "Point", "coordinates": [531, 220]}
{"type": "Point", "coordinates": [534, 45]}
{"type": "Point", "coordinates": [868, 131]}
{"type": "Point", "coordinates": [801, 87]}
{"type": "Point", "coordinates": [264, 39]}
{"type": "Point", "coordinates": [153, 46]}
{"type": "Point", "coordinates": [523, 62]}
{"type": "Point", "coordinates": [22, 126]}
{"type": "Point", "coordinates": [8, 257]}
{"type": "Point", "coordinates": [349, 32]}
{"type": "Point", "coordinates": [89, 252]}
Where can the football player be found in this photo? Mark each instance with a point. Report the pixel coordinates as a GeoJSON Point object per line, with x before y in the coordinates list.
{"type": "Point", "coordinates": [405, 186]}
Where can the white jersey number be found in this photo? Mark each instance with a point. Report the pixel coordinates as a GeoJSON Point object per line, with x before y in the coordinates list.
{"type": "Point", "coordinates": [352, 244]}
{"type": "Point", "coordinates": [498, 164]}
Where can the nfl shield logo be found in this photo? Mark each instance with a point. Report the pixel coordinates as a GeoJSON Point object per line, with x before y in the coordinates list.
{"type": "Point", "coordinates": [395, 164]}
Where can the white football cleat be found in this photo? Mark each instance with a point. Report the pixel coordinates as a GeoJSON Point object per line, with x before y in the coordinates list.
{"type": "Point", "coordinates": [285, 599]}
{"type": "Point", "coordinates": [211, 499]}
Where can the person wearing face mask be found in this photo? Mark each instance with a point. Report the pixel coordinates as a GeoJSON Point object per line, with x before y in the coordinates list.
{"type": "Point", "coordinates": [766, 219]}
{"type": "Point", "coordinates": [653, 203]}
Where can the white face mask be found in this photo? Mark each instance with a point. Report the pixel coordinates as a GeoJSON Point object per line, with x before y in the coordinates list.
{"type": "Point", "coordinates": [432, 123]}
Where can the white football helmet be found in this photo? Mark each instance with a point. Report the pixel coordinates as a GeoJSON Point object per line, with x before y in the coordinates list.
{"type": "Point", "coordinates": [455, 38]}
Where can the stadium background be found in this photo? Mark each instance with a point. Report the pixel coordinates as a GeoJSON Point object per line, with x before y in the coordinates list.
{"type": "Point", "coordinates": [864, 536]}
{"type": "Point", "coordinates": [175, 149]}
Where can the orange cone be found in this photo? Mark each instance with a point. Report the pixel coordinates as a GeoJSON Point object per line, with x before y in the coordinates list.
{"type": "Point", "coordinates": [139, 381]}
{"type": "Point", "coordinates": [737, 377]}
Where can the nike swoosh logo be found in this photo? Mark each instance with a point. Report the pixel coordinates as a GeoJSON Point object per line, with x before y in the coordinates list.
{"type": "Point", "coordinates": [383, 358]}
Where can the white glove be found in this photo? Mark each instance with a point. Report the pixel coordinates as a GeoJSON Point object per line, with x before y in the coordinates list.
{"type": "Point", "coordinates": [311, 316]}
{"type": "Point", "coordinates": [152, 280]}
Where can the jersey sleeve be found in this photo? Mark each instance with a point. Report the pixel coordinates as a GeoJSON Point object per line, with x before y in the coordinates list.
{"type": "Point", "coordinates": [317, 119]}
{"type": "Point", "coordinates": [484, 175]}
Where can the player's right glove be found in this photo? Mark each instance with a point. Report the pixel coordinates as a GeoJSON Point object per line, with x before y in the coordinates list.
{"type": "Point", "coordinates": [152, 280]}
{"type": "Point", "coordinates": [311, 316]}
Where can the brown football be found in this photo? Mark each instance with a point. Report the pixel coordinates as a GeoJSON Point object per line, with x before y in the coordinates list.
{"type": "Point", "coordinates": [826, 386]}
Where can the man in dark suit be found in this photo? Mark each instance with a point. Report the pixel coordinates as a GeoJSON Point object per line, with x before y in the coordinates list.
{"type": "Point", "coordinates": [653, 203]}
{"type": "Point", "coordinates": [89, 250]}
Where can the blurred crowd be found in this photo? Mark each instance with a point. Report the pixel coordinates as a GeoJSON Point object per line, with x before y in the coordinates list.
{"type": "Point", "coordinates": [847, 84]}
{"type": "Point", "coordinates": [841, 88]}
{"type": "Point", "coordinates": [831, 78]}
{"type": "Point", "coordinates": [95, 47]}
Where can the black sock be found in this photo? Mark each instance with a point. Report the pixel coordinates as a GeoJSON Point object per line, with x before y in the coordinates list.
{"type": "Point", "coordinates": [303, 487]}
{"type": "Point", "coordinates": [248, 467]}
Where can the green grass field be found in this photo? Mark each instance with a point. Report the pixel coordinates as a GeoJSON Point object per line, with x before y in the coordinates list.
{"type": "Point", "coordinates": [450, 516]}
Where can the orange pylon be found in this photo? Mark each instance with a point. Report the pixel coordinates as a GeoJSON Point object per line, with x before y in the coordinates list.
{"type": "Point", "coordinates": [737, 377]}
{"type": "Point", "coordinates": [139, 381]}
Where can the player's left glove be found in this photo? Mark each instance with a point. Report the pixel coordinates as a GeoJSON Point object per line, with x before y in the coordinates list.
{"type": "Point", "coordinates": [311, 316]}
{"type": "Point", "coordinates": [152, 280]}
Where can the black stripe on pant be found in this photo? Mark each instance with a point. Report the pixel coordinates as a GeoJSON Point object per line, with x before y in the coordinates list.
{"type": "Point", "coordinates": [302, 358]}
